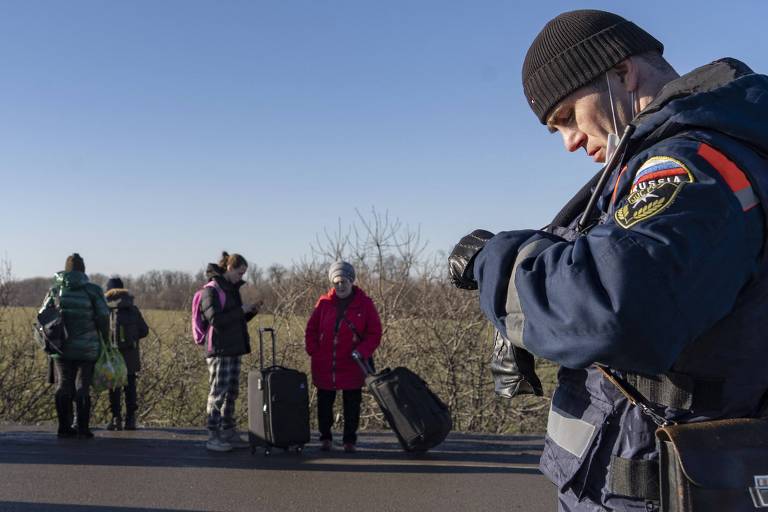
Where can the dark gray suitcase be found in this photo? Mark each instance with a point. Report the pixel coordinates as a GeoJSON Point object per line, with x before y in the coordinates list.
{"type": "Point", "coordinates": [278, 404]}
{"type": "Point", "coordinates": [417, 416]}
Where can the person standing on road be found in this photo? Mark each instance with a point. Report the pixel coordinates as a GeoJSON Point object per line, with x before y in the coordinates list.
{"type": "Point", "coordinates": [662, 283]}
{"type": "Point", "coordinates": [344, 320]}
{"type": "Point", "coordinates": [230, 341]}
{"type": "Point", "coordinates": [86, 319]}
{"type": "Point", "coordinates": [126, 328]}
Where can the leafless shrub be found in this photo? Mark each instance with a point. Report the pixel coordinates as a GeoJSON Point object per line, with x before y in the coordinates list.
{"type": "Point", "coordinates": [428, 326]}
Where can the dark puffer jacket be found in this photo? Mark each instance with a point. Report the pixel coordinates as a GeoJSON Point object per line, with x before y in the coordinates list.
{"type": "Point", "coordinates": [85, 314]}
{"type": "Point", "coordinates": [230, 323]}
{"type": "Point", "coordinates": [126, 327]}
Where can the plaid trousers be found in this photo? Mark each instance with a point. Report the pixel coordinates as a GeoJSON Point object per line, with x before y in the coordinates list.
{"type": "Point", "coordinates": [224, 379]}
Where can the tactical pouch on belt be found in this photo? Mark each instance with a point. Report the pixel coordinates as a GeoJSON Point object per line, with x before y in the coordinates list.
{"type": "Point", "coordinates": [714, 466]}
{"type": "Point", "coordinates": [708, 466]}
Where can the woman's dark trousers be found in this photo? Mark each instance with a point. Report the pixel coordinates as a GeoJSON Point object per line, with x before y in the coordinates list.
{"type": "Point", "coordinates": [352, 399]}
{"type": "Point", "coordinates": [73, 383]}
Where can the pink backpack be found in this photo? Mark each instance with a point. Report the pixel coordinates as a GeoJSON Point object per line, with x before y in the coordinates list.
{"type": "Point", "coordinates": [201, 330]}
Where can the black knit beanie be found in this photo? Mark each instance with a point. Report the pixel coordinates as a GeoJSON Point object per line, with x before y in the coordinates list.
{"type": "Point", "coordinates": [575, 48]}
{"type": "Point", "coordinates": [113, 283]}
{"type": "Point", "coordinates": [74, 262]}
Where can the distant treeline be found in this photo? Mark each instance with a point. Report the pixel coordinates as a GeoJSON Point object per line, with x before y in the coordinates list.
{"type": "Point", "coordinates": [156, 289]}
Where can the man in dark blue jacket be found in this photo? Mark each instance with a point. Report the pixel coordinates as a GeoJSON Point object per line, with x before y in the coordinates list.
{"type": "Point", "coordinates": [655, 272]}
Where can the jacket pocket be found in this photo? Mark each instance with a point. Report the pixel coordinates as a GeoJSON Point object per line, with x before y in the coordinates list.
{"type": "Point", "coordinates": [575, 426]}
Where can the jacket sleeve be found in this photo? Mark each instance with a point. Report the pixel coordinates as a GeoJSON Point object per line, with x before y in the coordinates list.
{"type": "Point", "coordinates": [48, 299]}
{"type": "Point", "coordinates": [312, 332]}
{"type": "Point", "coordinates": [636, 289]}
{"type": "Point", "coordinates": [213, 313]}
{"type": "Point", "coordinates": [372, 335]}
{"type": "Point", "coordinates": [143, 328]}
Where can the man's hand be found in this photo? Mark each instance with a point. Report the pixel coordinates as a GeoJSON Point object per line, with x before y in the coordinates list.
{"type": "Point", "coordinates": [513, 370]}
{"type": "Point", "coordinates": [461, 260]}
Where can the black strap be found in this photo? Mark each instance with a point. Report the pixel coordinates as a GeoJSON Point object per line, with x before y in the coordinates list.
{"type": "Point", "coordinates": [678, 390]}
{"type": "Point", "coordinates": [575, 206]}
{"type": "Point", "coordinates": [353, 329]}
{"type": "Point", "coordinates": [113, 327]}
{"type": "Point", "coordinates": [635, 478]}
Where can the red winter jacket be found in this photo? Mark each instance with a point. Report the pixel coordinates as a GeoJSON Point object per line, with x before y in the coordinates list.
{"type": "Point", "coordinates": [332, 363]}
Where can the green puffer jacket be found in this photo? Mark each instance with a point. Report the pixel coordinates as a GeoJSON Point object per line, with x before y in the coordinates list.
{"type": "Point", "coordinates": [85, 314]}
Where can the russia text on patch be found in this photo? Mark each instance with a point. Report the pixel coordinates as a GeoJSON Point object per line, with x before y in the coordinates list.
{"type": "Point", "coordinates": [658, 170]}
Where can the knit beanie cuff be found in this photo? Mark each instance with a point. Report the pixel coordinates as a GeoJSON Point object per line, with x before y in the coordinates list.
{"type": "Point", "coordinates": [579, 64]}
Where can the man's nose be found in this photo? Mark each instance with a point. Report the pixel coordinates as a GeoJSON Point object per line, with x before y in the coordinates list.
{"type": "Point", "coordinates": [573, 139]}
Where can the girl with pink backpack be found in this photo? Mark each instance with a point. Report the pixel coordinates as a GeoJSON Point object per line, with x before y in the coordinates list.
{"type": "Point", "coordinates": [220, 324]}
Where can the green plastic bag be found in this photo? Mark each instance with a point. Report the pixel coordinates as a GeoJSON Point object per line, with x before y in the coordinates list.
{"type": "Point", "coordinates": [110, 371]}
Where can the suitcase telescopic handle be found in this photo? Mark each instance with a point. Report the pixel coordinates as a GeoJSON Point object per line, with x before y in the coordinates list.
{"type": "Point", "coordinates": [362, 363]}
{"type": "Point", "coordinates": [271, 331]}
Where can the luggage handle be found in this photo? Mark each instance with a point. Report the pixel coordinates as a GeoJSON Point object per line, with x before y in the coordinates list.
{"type": "Point", "coordinates": [362, 363]}
{"type": "Point", "coordinates": [271, 331]}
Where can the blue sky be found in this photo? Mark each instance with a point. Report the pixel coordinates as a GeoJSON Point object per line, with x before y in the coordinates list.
{"type": "Point", "coordinates": [152, 134]}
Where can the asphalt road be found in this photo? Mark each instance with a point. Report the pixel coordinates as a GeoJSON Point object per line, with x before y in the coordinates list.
{"type": "Point", "coordinates": [156, 470]}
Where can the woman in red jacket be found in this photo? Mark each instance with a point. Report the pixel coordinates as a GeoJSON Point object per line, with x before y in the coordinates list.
{"type": "Point", "coordinates": [344, 320]}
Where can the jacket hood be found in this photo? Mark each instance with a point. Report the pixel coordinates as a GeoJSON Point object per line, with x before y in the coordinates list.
{"type": "Point", "coordinates": [71, 280]}
{"type": "Point", "coordinates": [119, 298]}
{"type": "Point", "coordinates": [214, 271]}
{"type": "Point", "coordinates": [331, 294]}
{"type": "Point", "coordinates": [725, 96]}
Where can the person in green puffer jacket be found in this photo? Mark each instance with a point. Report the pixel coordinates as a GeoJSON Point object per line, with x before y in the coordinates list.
{"type": "Point", "coordinates": [86, 318]}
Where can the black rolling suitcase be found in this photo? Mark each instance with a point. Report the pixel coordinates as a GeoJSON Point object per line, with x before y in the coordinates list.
{"type": "Point", "coordinates": [278, 404]}
{"type": "Point", "coordinates": [417, 416]}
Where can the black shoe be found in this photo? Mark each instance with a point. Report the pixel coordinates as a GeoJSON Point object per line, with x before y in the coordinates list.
{"type": "Point", "coordinates": [84, 434]}
{"type": "Point", "coordinates": [66, 432]}
{"type": "Point", "coordinates": [116, 423]}
{"type": "Point", "coordinates": [130, 423]}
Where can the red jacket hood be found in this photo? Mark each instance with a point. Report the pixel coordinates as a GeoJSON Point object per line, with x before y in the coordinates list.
{"type": "Point", "coordinates": [359, 295]}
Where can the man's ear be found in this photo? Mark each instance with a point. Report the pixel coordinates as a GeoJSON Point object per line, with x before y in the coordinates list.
{"type": "Point", "coordinates": [628, 73]}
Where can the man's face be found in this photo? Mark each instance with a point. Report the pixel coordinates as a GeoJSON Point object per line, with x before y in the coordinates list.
{"type": "Point", "coordinates": [584, 121]}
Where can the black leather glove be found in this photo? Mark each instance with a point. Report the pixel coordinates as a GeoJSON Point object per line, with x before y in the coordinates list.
{"type": "Point", "coordinates": [461, 261]}
{"type": "Point", "coordinates": [513, 370]}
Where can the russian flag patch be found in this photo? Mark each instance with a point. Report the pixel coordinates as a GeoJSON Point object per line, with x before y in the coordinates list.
{"type": "Point", "coordinates": [658, 170]}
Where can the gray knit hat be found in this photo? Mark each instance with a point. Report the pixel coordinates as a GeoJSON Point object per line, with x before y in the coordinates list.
{"type": "Point", "coordinates": [575, 48]}
{"type": "Point", "coordinates": [343, 269]}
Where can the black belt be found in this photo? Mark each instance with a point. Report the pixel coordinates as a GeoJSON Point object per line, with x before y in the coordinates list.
{"type": "Point", "coordinates": [678, 391]}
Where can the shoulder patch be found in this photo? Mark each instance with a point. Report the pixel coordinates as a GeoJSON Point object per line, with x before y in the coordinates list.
{"type": "Point", "coordinates": [654, 189]}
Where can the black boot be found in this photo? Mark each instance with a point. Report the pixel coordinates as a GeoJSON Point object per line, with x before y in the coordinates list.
{"type": "Point", "coordinates": [84, 417]}
{"type": "Point", "coordinates": [130, 421]}
{"type": "Point", "coordinates": [64, 414]}
{"type": "Point", "coordinates": [116, 423]}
